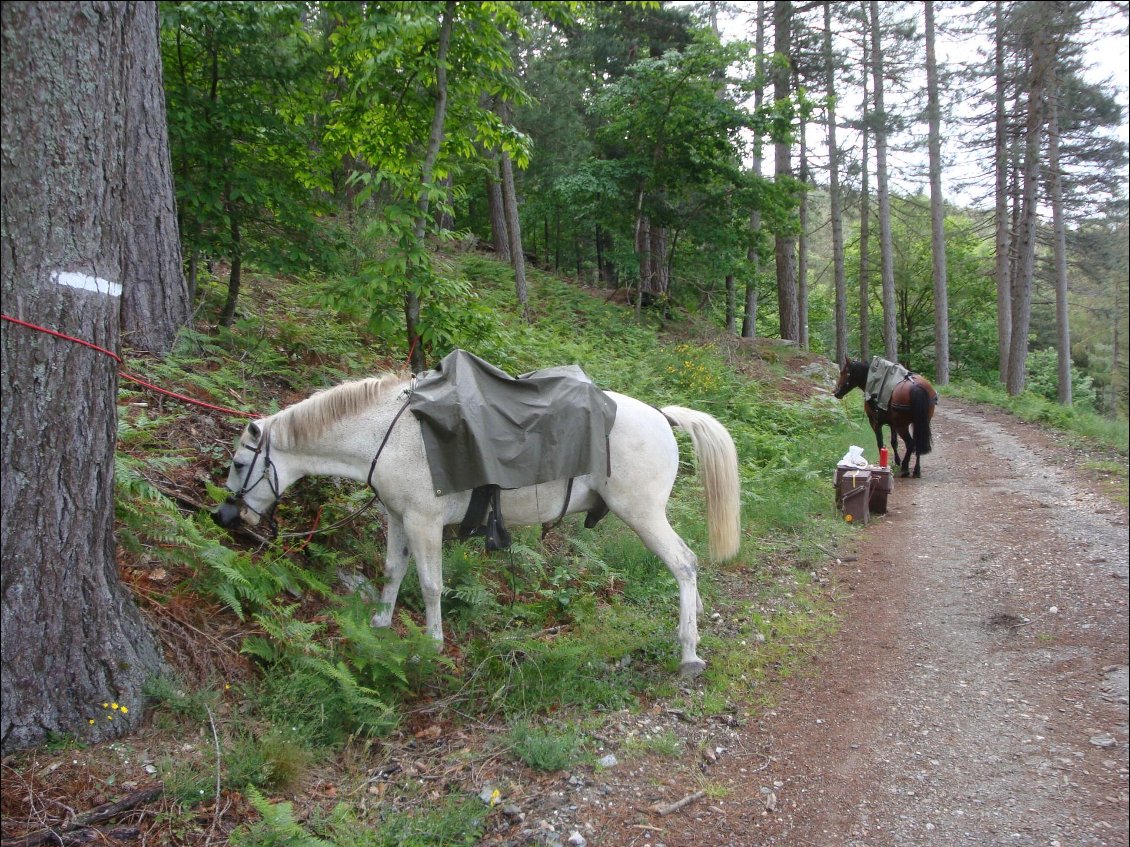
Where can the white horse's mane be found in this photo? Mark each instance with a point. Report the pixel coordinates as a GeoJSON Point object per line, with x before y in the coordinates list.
{"type": "Point", "coordinates": [310, 418]}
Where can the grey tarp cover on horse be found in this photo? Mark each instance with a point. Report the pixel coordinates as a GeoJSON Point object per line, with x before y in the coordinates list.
{"type": "Point", "coordinates": [882, 377]}
{"type": "Point", "coordinates": [482, 426]}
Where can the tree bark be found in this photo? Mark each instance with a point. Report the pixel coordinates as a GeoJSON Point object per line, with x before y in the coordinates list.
{"type": "Point", "coordinates": [802, 246]}
{"type": "Point", "coordinates": [1059, 232]}
{"type": "Point", "coordinates": [886, 247]}
{"type": "Point", "coordinates": [865, 212]}
{"type": "Point", "coordinates": [1021, 302]}
{"type": "Point", "coordinates": [235, 273]}
{"type": "Point", "coordinates": [82, 239]}
{"type": "Point", "coordinates": [937, 211]}
{"type": "Point", "coordinates": [152, 314]}
{"type": "Point", "coordinates": [514, 230]}
{"type": "Point", "coordinates": [835, 200]}
{"type": "Point", "coordinates": [785, 244]}
{"type": "Point", "coordinates": [1002, 223]}
{"type": "Point", "coordinates": [500, 238]}
{"type": "Point", "coordinates": [749, 317]}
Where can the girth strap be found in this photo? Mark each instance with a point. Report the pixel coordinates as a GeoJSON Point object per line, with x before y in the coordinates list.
{"type": "Point", "coordinates": [484, 517]}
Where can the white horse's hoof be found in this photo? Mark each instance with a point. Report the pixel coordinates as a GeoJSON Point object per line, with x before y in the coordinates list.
{"type": "Point", "coordinates": [692, 669]}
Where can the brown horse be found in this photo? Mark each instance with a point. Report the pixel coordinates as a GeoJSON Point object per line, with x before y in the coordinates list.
{"type": "Point", "coordinates": [908, 414]}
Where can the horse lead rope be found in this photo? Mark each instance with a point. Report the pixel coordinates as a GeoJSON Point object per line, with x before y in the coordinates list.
{"type": "Point", "coordinates": [123, 374]}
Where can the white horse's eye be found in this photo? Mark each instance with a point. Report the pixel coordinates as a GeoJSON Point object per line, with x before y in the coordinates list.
{"type": "Point", "coordinates": [238, 465]}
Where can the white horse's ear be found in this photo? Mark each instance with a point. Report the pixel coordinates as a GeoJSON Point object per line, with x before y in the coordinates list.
{"type": "Point", "coordinates": [254, 431]}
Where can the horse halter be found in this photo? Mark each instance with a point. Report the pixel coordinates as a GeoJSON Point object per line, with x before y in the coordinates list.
{"type": "Point", "coordinates": [269, 474]}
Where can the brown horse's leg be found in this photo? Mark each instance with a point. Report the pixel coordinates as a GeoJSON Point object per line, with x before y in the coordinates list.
{"type": "Point", "coordinates": [875, 418]}
{"type": "Point", "coordinates": [904, 431]}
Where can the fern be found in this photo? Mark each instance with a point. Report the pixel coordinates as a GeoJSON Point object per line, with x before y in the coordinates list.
{"type": "Point", "coordinates": [277, 827]}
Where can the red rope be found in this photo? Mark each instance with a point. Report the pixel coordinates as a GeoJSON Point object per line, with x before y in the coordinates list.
{"type": "Point", "coordinates": [125, 375]}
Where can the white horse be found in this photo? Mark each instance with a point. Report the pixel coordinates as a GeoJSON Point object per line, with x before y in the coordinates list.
{"type": "Point", "coordinates": [357, 431]}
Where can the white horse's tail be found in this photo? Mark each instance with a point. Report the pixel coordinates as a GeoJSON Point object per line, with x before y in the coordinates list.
{"type": "Point", "coordinates": [717, 461]}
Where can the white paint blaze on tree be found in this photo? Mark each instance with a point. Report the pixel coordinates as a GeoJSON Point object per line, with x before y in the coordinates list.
{"type": "Point", "coordinates": [90, 249]}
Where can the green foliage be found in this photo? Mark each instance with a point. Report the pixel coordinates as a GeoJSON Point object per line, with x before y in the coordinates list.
{"type": "Point", "coordinates": [549, 748]}
{"type": "Point", "coordinates": [274, 761]}
{"type": "Point", "coordinates": [242, 86]}
{"type": "Point", "coordinates": [455, 820]}
{"type": "Point", "coordinates": [1043, 379]}
{"type": "Point", "coordinates": [276, 828]}
{"type": "Point", "coordinates": [328, 690]}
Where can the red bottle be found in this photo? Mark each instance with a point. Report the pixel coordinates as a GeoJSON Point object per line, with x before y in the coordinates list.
{"type": "Point", "coordinates": [883, 461]}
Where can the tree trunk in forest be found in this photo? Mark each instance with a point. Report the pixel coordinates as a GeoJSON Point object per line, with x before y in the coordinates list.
{"type": "Point", "coordinates": [865, 212]}
{"type": "Point", "coordinates": [235, 275]}
{"type": "Point", "coordinates": [514, 228]}
{"type": "Point", "coordinates": [1002, 223]}
{"type": "Point", "coordinates": [642, 244]}
{"type": "Point", "coordinates": [446, 218]}
{"type": "Point", "coordinates": [87, 240]}
{"type": "Point", "coordinates": [1059, 232]}
{"type": "Point", "coordinates": [886, 246]}
{"type": "Point", "coordinates": [802, 245]}
{"type": "Point", "coordinates": [417, 360]}
{"type": "Point", "coordinates": [785, 244]}
{"type": "Point", "coordinates": [749, 316]}
{"type": "Point", "coordinates": [598, 241]}
{"type": "Point", "coordinates": [731, 305]}
{"type": "Point", "coordinates": [152, 314]}
{"type": "Point", "coordinates": [937, 211]}
{"type": "Point", "coordinates": [1041, 57]}
{"type": "Point", "coordinates": [835, 200]}
{"type": "Point", "coordinates": [659, 272]}
{"type": "Point", "coordinates": [500, 238]}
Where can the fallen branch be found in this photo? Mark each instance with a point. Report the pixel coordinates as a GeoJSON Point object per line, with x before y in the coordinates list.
{"type": "Point", "coordinates": [83, 821]}
{"type": "Point", "coordinates": [666, 809]}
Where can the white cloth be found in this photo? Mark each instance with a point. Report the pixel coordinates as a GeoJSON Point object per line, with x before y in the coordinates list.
{"type": "Point", "coordinates": [854, 458]}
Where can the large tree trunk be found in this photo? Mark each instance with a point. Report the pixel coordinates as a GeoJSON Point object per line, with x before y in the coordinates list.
{"type": "Point", "coordinates": [152, 314]}
{"type": "Point", "coordinates": [865, 213]}
{"type": "Point", "coordinates": [417, 359]}
{"type": "Point", "coordinates": [1004, 312]}
{"type": "Point", "coordinates": [785, 244]}
{"type": "Point", "coordinates": [1042, 56]}
{"type": "Point", "coordinates": [500, 237]}
{"type": "Point", "coordinates": [937, 211]}
{"type": "Point", "coordinates": [749, 316]}
{"type": "Point", "coordinates": [835, 200]}
{"type": "Point", "coordinates": [1059, 231]}
{"type": "Point", "coordinates": [886, 246]}
{"type": "Point", "coordinates": [802, 246]}
{"type": "Point", "coordinates": [83, 240]}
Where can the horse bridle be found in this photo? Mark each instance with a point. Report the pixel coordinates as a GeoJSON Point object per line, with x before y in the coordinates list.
{"type": "Point", "coordinates": [269, 474]}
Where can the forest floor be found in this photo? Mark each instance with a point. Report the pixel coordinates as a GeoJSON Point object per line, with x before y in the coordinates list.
{"type": "Point", "coordinates": [975, 693]}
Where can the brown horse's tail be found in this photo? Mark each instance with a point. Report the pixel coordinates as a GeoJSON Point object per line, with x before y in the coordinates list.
{"type": "Point", "coordinates": [921, 402]}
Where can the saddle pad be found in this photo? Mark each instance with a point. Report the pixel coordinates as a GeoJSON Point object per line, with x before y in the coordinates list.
{"type": "Point", "coordinates": [482, 426]}
{"type": "Point", "coordinates": [882, 377]}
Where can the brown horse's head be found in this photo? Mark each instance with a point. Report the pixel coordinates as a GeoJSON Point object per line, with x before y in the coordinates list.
{"type": "Point", "coordinates": [847, 380]}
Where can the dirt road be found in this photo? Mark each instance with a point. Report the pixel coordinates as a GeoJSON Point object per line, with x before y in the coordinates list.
{"type": "Point", "coordinates": [977, 692]}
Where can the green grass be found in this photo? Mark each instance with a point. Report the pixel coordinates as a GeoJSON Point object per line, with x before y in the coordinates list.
{"type": "Point", "coordinates": [545, 748]}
